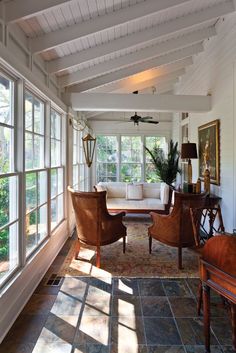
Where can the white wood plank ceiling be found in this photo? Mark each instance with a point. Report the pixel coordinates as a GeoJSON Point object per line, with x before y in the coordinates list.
{"type": "Point", "coordinates": [105, 46]}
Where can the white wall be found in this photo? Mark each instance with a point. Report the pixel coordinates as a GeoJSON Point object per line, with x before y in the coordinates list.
{"type": "Point", "coordinates": [213, 72]}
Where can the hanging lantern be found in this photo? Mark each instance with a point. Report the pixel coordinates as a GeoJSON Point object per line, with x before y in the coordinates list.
{"type": "Point", "coordinates": [89, 143]}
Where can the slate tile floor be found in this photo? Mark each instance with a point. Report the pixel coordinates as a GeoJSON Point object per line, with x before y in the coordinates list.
{"type": "Point", "coordinates": [119, 315]}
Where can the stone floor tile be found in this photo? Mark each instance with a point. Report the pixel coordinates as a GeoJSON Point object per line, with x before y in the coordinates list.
{"type": "Point", "coordinates": [176, 288]}
{"type": "Point", "coordinates": [93, 330]}
{"type": "Point", "coordinates": [193, 284]}
{"type": "Point", "coordinates": [39, 304]}
{"type": "Point", "coordinates": [26, 329]}
{"type": "Point", "coordinates": [151, 287]}
{"type": "Point", "coordinates": [75, 287]}
{"type": "Point", "coordinates": [127, 331]}
{"type": "Point", "coordinates": [192, 331]}
{"type": "Point", "coordinates": [222, 329]}
{"type": "Point", "coordinates": [166, 349]}
{"type": "Point", "coordinates": [183, 307]}
{"type": "Point", "coordinates": [12, 347]}
{"type": "Point", "coordinates": [59, 329]}
{"type": "Point", "coordinates": [125, 286]}
{"type": "Point", "coordinates": [128, 348]}
{"type": "Point", "coordinates": [156, 306]}
{"type": "Point", "coordinates": [161, 331]}
{"type": "Point", "coordinates": [92, 348]}
{"type": "Point", "coordinates": [126, 306]}
{"type": "Point", "coordinates": [228, 349]}
{"type": "Point", "coordinates": [66, 304]}
{"type": "Point", "coordinates": [52, 347]}
{"type": "Point", "coordinates": [98, 304]}
{"type": "Point", "coordinates": [201, 349]}
{"type": "Point", "coordinates": [100, 286]}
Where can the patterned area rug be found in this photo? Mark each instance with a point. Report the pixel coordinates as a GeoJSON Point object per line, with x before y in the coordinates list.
{"type": "Point", "coordinates": [136, 262]}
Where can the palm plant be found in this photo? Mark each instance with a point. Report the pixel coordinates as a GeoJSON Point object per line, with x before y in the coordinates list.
{"type": "Point", "coordinates": [167, 168]}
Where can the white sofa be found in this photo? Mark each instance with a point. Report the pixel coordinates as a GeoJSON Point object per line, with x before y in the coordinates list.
{"type": "Point", "coordinates": [155, 197]}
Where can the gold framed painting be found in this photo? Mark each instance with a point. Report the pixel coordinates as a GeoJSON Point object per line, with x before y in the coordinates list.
{"type": "Point", "coordinates": [208, 144]}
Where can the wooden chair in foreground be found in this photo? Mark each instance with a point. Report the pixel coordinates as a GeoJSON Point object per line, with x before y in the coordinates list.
{"type": "Point", "coordinates": [206, 222]}
{"type": "Point", "coordinates": [176, 228]}
{"type": "Point", "coordinates": [218, 271]}
{"type": "Point", "coordinates": [94, 225]}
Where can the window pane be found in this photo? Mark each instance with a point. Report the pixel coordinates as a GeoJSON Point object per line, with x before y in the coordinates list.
{"type": "Point", "coordinates": [55, 125]}
{"type": "Point", "coordinates": [31, 231]}
{"type": "Point", "coordinates": [154, 141]}
{"type": "Point", "coordinates": [29, 154]}
{"type": "Point", "coordinates": [38, 116]}
{"type": "Point", "coordinates": [107, 149]}
{"type": "Point", "coordinates": [28, 111]}
{"type": "Point", "coordinates": [151, 174]}
{"type": "Point", "coordinates": [131, 149]}
{"type": "Point", "coordinates": [30, 191]}
{"type": "Point", "coordinates": [130, 172]}
{"type": "Point", "coordinates": [54, 183]}
{"type": "Point", "coordinates": [8, 200]}
{"type": "Point", "coordinates": [6, 101]}
{"type": "Point", "coordinates": [9, 258]}
{"type": "Point", "coordinates": [60, 180]}
{"type": "Point", "coordinates": [55, 153]}
{"type": "Point", "coordinates": [42, 222]}
{"type": "Point", "coordinates": [57, 211]}
{"type": "Point", "coordinates": [60, 205]}
{"type": "Point", "coordinates": [6, 150]}
{"type": "Point", "coordinates": [38, 151]}
{"type": "Point", "coordinates": [42, 187]}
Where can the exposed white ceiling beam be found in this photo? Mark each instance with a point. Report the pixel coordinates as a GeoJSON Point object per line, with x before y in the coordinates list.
{"type": "Point", "coordinates": [16, 10]}
{"type": "Point", "coordinates": [144, 76]}
{"type": "Point", "coordinates": [136, 57]}
{"type": "Point", "coordinates": [147, 35]}
{"type": "Point", "coordinates": [100, 23]}
{"type": "Point", "coordinates": [157, 82]}
{"type": "Point", "coordinates": [139, 103]}
{"type": "Point", "coordinates": [163, 87]}
{"type": "Point", "coordinates": [118, 75]}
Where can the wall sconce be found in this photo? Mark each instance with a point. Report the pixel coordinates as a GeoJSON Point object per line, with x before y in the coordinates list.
{"type": "Point", "coordinates": [188, 151]}
{"type": "Point", "coordinates": [89, 143]}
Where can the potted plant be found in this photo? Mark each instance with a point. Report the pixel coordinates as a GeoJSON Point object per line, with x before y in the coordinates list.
{"type": "Point", "coordinates": [167, 167]}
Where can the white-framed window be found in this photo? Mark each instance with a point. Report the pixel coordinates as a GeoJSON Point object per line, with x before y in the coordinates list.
{"type": "Point", "coordinates": [131, 158]}
{"type": "Point", "coordinates": [9, 182]}
{"type": "Point", "coordinates": [57, 169]}
{"type": "Point", "coordinates": [36, 205]}
{"type": "Point", "coordinates": [76, 159]}
{"type": "Point", "coordinates": [107, 158]}
{"type": "Point", "coordinates": [124, 158]}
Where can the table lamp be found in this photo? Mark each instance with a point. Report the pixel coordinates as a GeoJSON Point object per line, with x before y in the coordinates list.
{"type": "Point", "coordinates": [189, 151]}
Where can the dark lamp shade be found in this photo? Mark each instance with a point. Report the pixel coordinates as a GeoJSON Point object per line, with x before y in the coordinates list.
{"type": "Point", "coordinates": [189, 150]}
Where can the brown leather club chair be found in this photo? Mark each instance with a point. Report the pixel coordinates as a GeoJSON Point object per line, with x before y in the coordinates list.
{"type": "Point", "coordinates": [176, 228]}
{"type": "Point", "coordinates": [218, 271]}
{"type": "Point", "coordinates": [94, 225]}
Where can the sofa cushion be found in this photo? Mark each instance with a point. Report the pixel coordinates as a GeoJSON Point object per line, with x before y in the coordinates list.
{"type": "Point", "coordinates": [114, 189]}
{"type": "Point", "coordinates": [134, 191]}
{"type": "Point", "coordinates": [151, 190]}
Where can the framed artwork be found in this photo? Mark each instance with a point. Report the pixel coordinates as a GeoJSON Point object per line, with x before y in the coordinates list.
{"type": "Point", "coordinates": [208, 143]}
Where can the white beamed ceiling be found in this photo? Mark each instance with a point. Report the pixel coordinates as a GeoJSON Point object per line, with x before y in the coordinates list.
{"type": "Point", "coordinates": [117, 46]}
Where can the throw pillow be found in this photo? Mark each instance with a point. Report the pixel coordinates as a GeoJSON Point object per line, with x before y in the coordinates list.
{"type": "Point", "coordinates": [134, 191]}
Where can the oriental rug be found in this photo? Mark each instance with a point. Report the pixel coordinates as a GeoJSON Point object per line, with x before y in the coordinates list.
{"type": "Point", "coordinates": [136, 262]}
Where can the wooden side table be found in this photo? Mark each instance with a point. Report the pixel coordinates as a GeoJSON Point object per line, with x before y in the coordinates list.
{"type": "Point", "coordinates": [212, 200]}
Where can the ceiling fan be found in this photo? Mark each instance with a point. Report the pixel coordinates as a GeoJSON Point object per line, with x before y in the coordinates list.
{"type": "Point", "coordinates": [136, 119]}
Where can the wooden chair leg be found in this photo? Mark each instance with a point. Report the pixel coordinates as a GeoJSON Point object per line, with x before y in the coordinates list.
{"type": "Point", "coordinates": [98, 258]}
{"type": "Point", "coordinates": [150, 244]}
{"type": "Point", "coordinates": [233, 320]}
{"type": "Point", "coordinates": [77, 249]}
{"type": "Point", "coordinates": [199, 301]}
{"type": "Point", "coordinates": [180, 267]}
{"type": "Point", "coordinates": [124, 244]}
{"type": "Point", "coordinates": [206, 316]}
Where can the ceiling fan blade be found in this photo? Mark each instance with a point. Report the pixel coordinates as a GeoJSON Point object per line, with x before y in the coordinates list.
{"type": "Point", "coordinates": [151, 122]}
{"type": "Point", "coordinates": [147, 117]}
